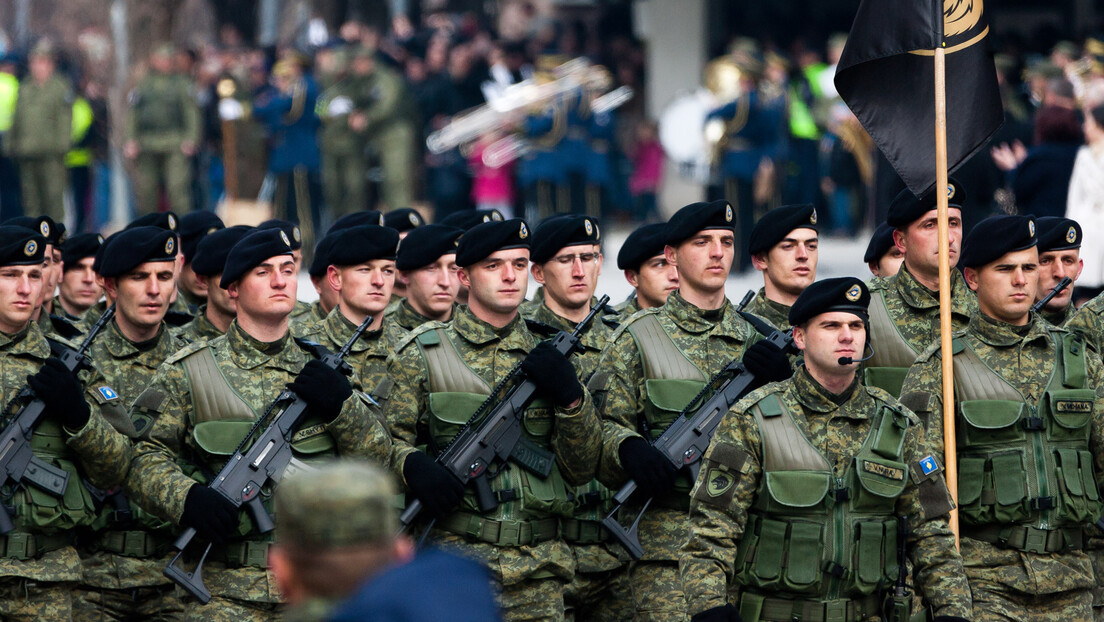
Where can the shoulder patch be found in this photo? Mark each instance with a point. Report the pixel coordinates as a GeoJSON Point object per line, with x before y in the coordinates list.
{"type": "Point", "coordinates": [928, 465]}
{"type": "Point", "coordinates": [108, 393]}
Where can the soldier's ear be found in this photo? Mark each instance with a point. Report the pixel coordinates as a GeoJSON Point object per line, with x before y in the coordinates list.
{"type": "Point", "coordinates": [670, 254]}
{"type": "Point", "coordinates": [110, 286]}
{"type": "Point", "coordinates": [464, 276]}
{"type": "Point", "coordinates": [538, 272]}
{"type": "Point", "coordinates": [333, 278]}
{"type": "Point", "coordinates": [971, 276]}
{"type": "Point", "coordinates": [632, 278]}
{"type": "Point", "coordinates": [799, 337]}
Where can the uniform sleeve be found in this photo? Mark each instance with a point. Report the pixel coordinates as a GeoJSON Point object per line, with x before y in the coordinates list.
{"type": "Point", "coordinates": [155, 481]}
{"type": "Point", "coordinates": [105, 451]}
{"type": "Point", "coordinates": [577, 441]}
{"type": "Point", "coordinates": [922, 393]}
{"type": "Point", "coordinates": [405, 404]}
{"type": "Point", "coordinates": [1095, 371]}
{"type": "Point", "coordinates": [722, 494]}
{"type": "Point", "coordinates": [617, 388]}
{"type": "Point", "coordinates": [387, 105]}
{"type": "Point", "coordinates": [193, 129]}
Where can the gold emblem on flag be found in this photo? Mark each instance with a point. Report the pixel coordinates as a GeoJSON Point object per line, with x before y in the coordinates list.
{"type": "Point", "coordinates": [962, 26]}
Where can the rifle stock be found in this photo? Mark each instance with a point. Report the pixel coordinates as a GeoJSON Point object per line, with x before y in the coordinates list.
{"type": "Point", "coordinates": [247, 472]}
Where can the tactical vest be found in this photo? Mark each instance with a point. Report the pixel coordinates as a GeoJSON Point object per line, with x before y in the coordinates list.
{"type": "Point", "coordinates": [1025, 469]}
{"type": "Point", "coordinates": [671, 381]}
{"type": "Point", "coordinates": [40, 512]}
{"type": "Point", "coordinates": [811, 534]}
{"type": "Point", "coordinates": [892, 353]}
{"type": "Point", "coordinates": [455, 394]}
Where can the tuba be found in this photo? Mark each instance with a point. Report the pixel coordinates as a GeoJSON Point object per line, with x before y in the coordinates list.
{"type": "Point", "coordinates": [687, 138]}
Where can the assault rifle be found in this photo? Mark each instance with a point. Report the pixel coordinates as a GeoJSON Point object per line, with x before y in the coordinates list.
{"type": "Point", "coordinates": [898, 604]}
{"type": "Point", "coordinates": [18, 464]}
{"type": "Point", "coordinates": [493, 433]}
{"type": "Point", "coordinates": [247, 472]}
{"type": "Point", "coordinates": [684, 442]}
{"type": "Point", "coordinates": [1057, 289]}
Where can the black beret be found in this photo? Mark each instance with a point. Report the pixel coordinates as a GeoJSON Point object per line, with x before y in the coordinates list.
{"type": "Point", "coordinates": [356, 219]}
{"type": "Point", "coordinates": [487, 238]}
{"type": "Point", "coordinates": [1057, 234]}
{"type": "Point", "coordinates": [845, 293]}
{"type": "Point", "coordinates": [641, 245]}
{"type": "Point", "coordinates": [356, 245]}
{"type": "Point", "coordinates": [880, 243]}
{"type": "Point", "coordinates": [322, 250]}
{"type": "Point", "coordinates": [468, 218]}
{"type": "Point", "coordinates": [995, 236]}
{"type": "Point", "coordinates": [164, 220]}
{"type": "Point", "coordinates": [427, 244]}
{"type": "Point", "coordinates": [562, 231]}
{"type": "Point", "coordinates": [212, 250]}
{"type": "Point", "coordinates": [290, 229]}
{"type": "Point", "coordinates": [78, 247]}
{"type": "Point", "coordinates": [773, 227]}
{"type": "Point", "coordinates": [688, 221]}
{"type": "Point", "coordinates": [907, 208]}
{"type": "Point", "coordinates": [98, 262]}
{"type": "Point", "coordinates": [130, 248]}
{"type": "Point", "coordinates": [403, 219]}
{"type": "Point", "coordinates": [195, 225]}
{"type": "Point", "coordinates": [20, 246]}
{"type": "Point", "coordinates": [250, 251]}
{"type": "Point", "coordinates": [43, 225]}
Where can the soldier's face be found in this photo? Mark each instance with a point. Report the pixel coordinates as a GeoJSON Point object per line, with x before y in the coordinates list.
{"type": "Point", "coordinates": [790, 265]}
{"type": "Point", "coordinates": [919, 242]}
{"type": "Point", "coordinates": [703, 261]}
{"type": "Point", "coordinates": [365, 288]}
{"type": "Point", "coordinates": [571, 276]}
{"type": "Point", "coordinates": [889, 264]}
{"type": "Point", "coordinates": [653, 282]}
{"type": "Point", "coordinates": [828, 337]}
{"type": "Point", "coordinates": [1053, 267]}
{"type": "Point", "coordinates": [192, 284]}
{"type": "Point", "coordinates": [267, 292]}
{"type": "Point", "coordinates": [218, 297]}
{"type": "Point", "coordinates": [431, 290]}
{"type": "Point", "coordinates": [497, 284]}
{"type": "Point", "coordinates": [142, 295]}
{"type": "Point", "coordinates": [20, 289]}
{"type": "Point", "coordinates": [1006, 287]}
{"type": "Point", "coordinates": [326, 294]}
{"type": "Point", "coordinates": [78, 285]}
{"type": "Point", "coordinates": [51, 273]}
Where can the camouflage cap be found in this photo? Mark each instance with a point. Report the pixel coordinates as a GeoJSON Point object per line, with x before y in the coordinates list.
{"type": "Point", "coordinates": [339, 503]}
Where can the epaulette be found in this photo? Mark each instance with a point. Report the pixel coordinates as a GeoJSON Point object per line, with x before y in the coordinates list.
{"type": "Point", "coordinates": [878, 283]}
{"type": "Point", "coordinates": [540, 328]}
{"type": "Point", "coordinates": [411, 336]}
{"type": "Point", "coordinates": [315, 349]}
{"type": "Point", "coordinates": [612, 321]}
{"type": "Point", "coordinates": [64, 327]}
{"type": "Point", "coordinates": [191, 349]}
{"type": "Point", "coordinates": [177, 318]}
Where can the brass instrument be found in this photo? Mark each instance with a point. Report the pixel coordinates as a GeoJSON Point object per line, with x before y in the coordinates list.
{"type": "Point", "coordinates": [693, 142]}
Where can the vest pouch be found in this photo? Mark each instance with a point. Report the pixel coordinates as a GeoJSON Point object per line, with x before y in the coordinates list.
{"type": "Point", "coordinates": [880, 483]}
{"type": "Point", "coordinates": [765, 569]}
{"type": "Point", "coordinates": [220, 438]}
{"type": "Point", "coordinates": [1077, 505]}
{"type": "Point", "coordinates": [889, 379]}
{"type": "Point", "coordinates": [803, 546]}
{"type": "Point", "coordinates": [312, 439]}
{"type": "Point", "coordinates": [42, 512]}
{"type": "Point", "coordinates": [666, 400]}
{"type": "Point", "coordinates": [972, 478]}
{"type": "Point", "coordinates": [539, 419]}
{"type": "Point", "coordinates": [889, 551]}
{"type": "Point", "coordinates": [1010, 486]}
{"type": "Point", "coordinates": [1070, 411]}
{"type": "Point", "coordinates": [795, 490]}
{"type": "Point", "coordinates": [543, 497]}
{"type": "Point", "coordinates": [449, 412]}
{"type": "Point", "coordinates": [867, 564]}
{"type": "Point", "coordinates": [991, 422]}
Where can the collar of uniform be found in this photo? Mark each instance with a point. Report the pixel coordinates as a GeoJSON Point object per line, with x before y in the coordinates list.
{"type": "Point", "coordinates": [479, 332]}
{"type": "Point", "coordinates": [1058, 318]}
{"type": "Point", "coordinates": [30, 340]}
{"type": "Point", "coordinates": [814, 396]}
{"type": "Point", "coordinates": [60, 310]}
{"type": "Point", "coordinates": [405, 315]}
{"type": "Point", "coordinates": [695, 320]}
{"type": "Point", "coordinates": [1002, 335]}
{"type": "Point", "coordinates": [120, 347]}
{"type": "Point", "coordinates": [339, 328]}
{"type": "Point", "coordinates": [781, 309]}
{"type": "Point", "coordinates": [248, 352]}
{"type": "Point", "coordinates": [917, 296]}
{"type": "Point", "coordinates": [594, 336]}
{"type": "Point", "coordinates": [201, 326]}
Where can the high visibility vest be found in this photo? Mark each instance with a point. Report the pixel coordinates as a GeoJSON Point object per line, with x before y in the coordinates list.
{"type": "Point", "coordinates": [9, 93]}
{"type": "Point", "coordinates": [82, 122]}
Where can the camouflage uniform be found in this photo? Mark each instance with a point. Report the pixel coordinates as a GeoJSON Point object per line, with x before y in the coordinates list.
{"type": "Point", "coordinates": [123, 557]}
{"type": "Point", "coordinates": [199, 329]}
{"type": "Point", "coordinates": [530, 573]}
{"type": "Point", "coordinates": [776, 313]}
{"type": "Point", "coordinates": [904, 321]}
{"type": "Point", "coordinates": [1061, 317]}
{"type": "Point", "coordinates": [38, 139]}
{"type": "Point", "coordinates": [600, 589]}
{"type": "Point", "coordinates": [162, 116]}
{"type": "Point", "coordinates": [1088, 321]}
{"type": "Point", "coordinates": [729, 504]}
{"type": "Point", "coordinates": [626, 308]}
{"type": "Point", "coordinates": [306, 314]}
{"type": "Point", "coordinates": [1013, 582]}
{"type": "Point", "coordinates": [405, 316]}
{"type": "Point", "coordinates": [368, 357]}
{"type": "Point", "coordinates": [181, 430]}
{"type": "Point", "coordinates": [708, 339]}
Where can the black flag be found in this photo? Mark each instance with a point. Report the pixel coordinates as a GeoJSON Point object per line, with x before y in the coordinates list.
{"type": "Point", "coordinates": [886, 75]}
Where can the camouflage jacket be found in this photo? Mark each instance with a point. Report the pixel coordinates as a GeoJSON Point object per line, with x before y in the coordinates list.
{"type": "Point", "coordinates": [405, 316]}
{"type": "Point", "coordinates": [306, 314]}
{"type": "Point", "coordinates": [199, 329]}
{"type": "Point", "coordinates": [1059, 318]}
{"type": "Point", "coordinates": [593, 342]}
{"type": "Point", "coordinates": [1024, 357]}
{"type": "Point", "coordinates": [838, 430]}
{"type": "Point", "coordinates": [128, 368]}
{"type": "Point", "coordinates": [627, 307]}
{"type": "Point", "coordinates": [776, 313]}
{"type": "Point", "coordinates": [914, 308]}
{"type": "Point", "coordinates": [368, 357]}
{"type": "Point", "coordinates": [1088, 321]}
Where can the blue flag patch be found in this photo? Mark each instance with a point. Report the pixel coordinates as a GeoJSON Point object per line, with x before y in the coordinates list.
{"type": "Point", "coordinates": [928, 465]}
{"type": "Point", "coordinates": [108, 393]}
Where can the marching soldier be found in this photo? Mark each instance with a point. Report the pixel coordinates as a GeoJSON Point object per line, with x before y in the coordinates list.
{"type": "Point", "coordinates": [646, 268]}
{"type": "Point", "coordinates": [403, 220]}
{"type": "Point", "coordinates": [784, 248]}
{"type": "Point", "coordinates": [294, 234]}
{"type": "Point", "coordinates": [1059, 257]}
{"type": "Point", "coordinates": [53, 325]}
{"type": "Point", "coordinates": [162, 131]}
{"type": "Point", "coordinates": [1028, 432]}
{"type": "Point", "coordinates": [383, 118]}
{"type": "Point", "coordinates": [327, 297]}
{"type": "Point", "coordinates": [441, 373]}
{"type": "Point", "coordinates": [194, 227]}
{"type": "Point", "coordinates": [206, 397]}
{"type": "Point", "coordinates": [40, 134]}
{"type": "Point", "coordinates": [882, 255]}
{"type": "Point", "coordinates": [904, 309]}
{"type": "Point", "coordinates": [813, 473]}
{"type": "Point", "coordinates": [214, 317]}
{"type": "Point", "coordinates": [78, 289]}
{"type": "Point", "coordinates": [427, 265]}
{"type": "Point", "coordinates": [656, 363]}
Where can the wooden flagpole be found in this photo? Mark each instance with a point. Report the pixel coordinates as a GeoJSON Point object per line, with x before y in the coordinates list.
{"type": "Point", "coordinates": [950, 453]}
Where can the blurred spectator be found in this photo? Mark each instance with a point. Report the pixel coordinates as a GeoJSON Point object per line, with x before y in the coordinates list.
{"type": "Point", "coordinates": [1085, 203]}
{"type": "Point", "coordinates": [1040, 176]}
{"type": "Point", "coordinates": [492, 187]}
{"type": "Point", "coordinates": [647, 172]}
{"type": "Point", "coordinates": [9, 174]}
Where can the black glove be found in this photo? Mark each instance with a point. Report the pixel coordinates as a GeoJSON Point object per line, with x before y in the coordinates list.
{"type": "Point", "coordinates": [324, 389]}
{"type": "Point", "coordinates": [653, 472]}
{"type": "Point", "coordinates": [553, 374]}
{"type": "Point", "coordinates": [949, 619]}
{"type": "Point", "coordinates": [212, 515]}
{"type": "Point", "coordinates": [61, 391]}
{"type": "Point", "coordinates": [432, 484]}
{"type": "Point", "coordinates": [767, 362]}
{"type": "Point", "coordinates": [727, 613]}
